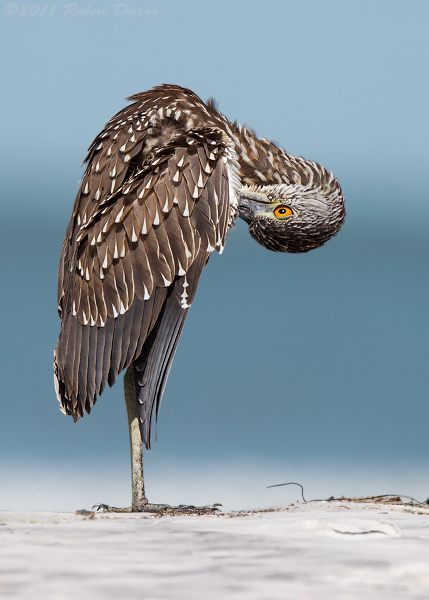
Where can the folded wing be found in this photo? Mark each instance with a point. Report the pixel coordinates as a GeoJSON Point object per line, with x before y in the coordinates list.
{"type": "Point", "coordinates": [140, 234]}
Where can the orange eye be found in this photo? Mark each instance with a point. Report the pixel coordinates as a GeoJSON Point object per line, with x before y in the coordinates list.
{"type": "Point", "coordinates": [283, 211]}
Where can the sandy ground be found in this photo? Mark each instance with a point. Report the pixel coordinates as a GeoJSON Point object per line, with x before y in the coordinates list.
{"type": "Point", "coordinates": [306, 551]}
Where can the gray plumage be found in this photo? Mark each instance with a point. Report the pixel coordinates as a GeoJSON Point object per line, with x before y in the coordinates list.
{"type": "Point", "coordinates": [164, 182]}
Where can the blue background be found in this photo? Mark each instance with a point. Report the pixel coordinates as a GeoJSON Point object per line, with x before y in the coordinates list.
{"type": "Point", "coordinates": [309, 368]}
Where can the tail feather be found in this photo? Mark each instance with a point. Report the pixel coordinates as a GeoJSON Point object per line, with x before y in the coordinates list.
{"type": "Point", "coordinates": [152, 367]}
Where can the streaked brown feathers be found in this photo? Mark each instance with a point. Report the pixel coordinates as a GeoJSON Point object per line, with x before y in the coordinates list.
{"type": "Point", "coordinates": [154, 197]}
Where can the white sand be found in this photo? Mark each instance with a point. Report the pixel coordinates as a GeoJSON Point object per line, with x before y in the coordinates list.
{"type": "Point", "coordinates": [313, 551]}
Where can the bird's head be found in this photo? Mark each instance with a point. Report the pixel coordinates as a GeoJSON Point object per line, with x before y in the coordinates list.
{"type": "Point", "coordinates": [293, 217]}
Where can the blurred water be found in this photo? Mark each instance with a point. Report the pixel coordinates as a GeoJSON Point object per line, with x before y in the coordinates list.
{"type": "Point", "coordinates": [238, 484]}
{"type": "Point", "coordinates": [318, 357]}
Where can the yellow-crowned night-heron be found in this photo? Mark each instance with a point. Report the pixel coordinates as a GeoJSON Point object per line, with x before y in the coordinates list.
{"type": "Point", "coordinates": [165, 181]}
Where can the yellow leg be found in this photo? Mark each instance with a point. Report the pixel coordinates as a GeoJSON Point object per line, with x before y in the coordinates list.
{"type": "Point", "coordinates": [138, 498]}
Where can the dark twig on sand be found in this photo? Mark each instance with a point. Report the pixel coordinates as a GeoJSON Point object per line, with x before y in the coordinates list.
{"type": "Point", "coordinates": [392, 498]}
{"type": "Point", "coordinates": [290, 483]}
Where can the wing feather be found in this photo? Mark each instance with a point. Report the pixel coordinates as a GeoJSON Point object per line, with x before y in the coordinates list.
{"type": "Point", "coordinates": [94, 340]}
{"type": "Point", "coordinates": [75, 367]}
{"type": "Point", "coordinates": [67, 364]}
{"type": "Point", "coordinates": [83, 368]}
{"type": "Point", "coordinates": [129, 318]}
{"type": "Point", "coordinates": [129, 346]}
{"type": "Point", "coordinates": [107, 351]}
{"type": "Point", "coordinates": [99, 334]}
{"type": "Point", "coordinates": [142, 227]}
{"type": "Point", "coordinates": [116, 355]}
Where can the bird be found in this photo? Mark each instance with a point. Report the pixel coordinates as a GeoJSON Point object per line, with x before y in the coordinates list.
{"type": "Point", "coordinates": [165, 181]}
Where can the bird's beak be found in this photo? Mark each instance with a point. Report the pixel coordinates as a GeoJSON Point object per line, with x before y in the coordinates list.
{"type": "Point", "coordinates": [245, 211]}
{"type": "Point", "coordinates": [250, 204]}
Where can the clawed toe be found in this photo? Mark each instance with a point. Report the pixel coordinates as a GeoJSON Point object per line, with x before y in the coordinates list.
{"type": "Point", "coordinates": [107, 508]}
{"type": "Point", "coordinates": [182, 509]}
{"type": "Point", "coordinates": [161, 509]}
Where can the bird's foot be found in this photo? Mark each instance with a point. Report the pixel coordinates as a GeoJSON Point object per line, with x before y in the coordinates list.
{"type": "Point", "coordinates": [161, 509]}
{"type": "Point", "coordinates": [107, 508]}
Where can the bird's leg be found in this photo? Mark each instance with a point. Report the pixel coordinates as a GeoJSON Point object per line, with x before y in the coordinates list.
{"type": "Point", "coordinates": [139, 502]}
{"type": "Point", "coordinates": [138, 498]}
